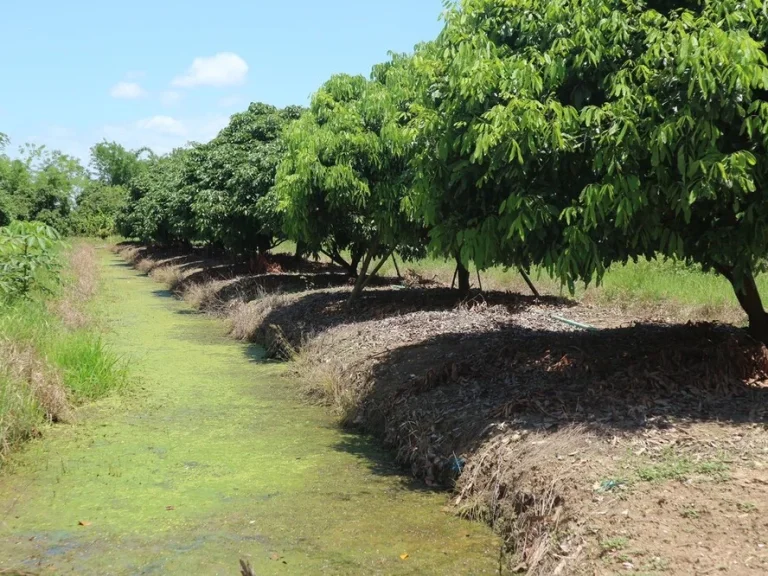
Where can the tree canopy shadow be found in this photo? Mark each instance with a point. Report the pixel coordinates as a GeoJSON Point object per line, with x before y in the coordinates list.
{"type": "Point", "coordinates": [432, 400]}
{"type": "Point", "coordinates": [245, 280]}
{"type": "Point", "coordinates": [247, 288]}
{"type": "Point", "coordinates": [379, 461]}
{"type": "Point", "coordinates": [204, 263]}
{"type": "Point", "coordinates": [318, 311]}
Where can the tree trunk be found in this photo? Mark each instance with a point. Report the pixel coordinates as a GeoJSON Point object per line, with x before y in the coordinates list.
{"type": "Point", "coordinates": [360, 282]}
{"type": "Point", "coordinates": [363, 279]}
{"type": "Point", "coordinates": [356, 255]}
{"type": "Point", "coordinates": [749, 298]}
{"type": "Point", "coordinates": [263, 244]}
{"type": "Point", "coordinates": [301, 248]}
{"type": "Point", "coordinates": [528, 281]}
{"type": "Point", "coordinates": [337, 258]}
{"type": "Point", "coordinates": [397, 268]}
{"type": "Point", "coordinates": [352, 268]}
{"type": "Point", "coordinates": [463, 274]}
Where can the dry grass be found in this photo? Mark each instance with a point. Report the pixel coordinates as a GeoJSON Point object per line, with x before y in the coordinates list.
{"type": "Point", "coordinates": [244, 320]}
{"type": "Point", "coordinates": [145, 265]}
{"type": "Point", "coordinates": [84, 280]}
{"type": "Point", "coordinates": [171, 276]}
{"type": "Point", "coordinates": [247, 323]}
{"type": "Point", "coordinates": [132, 254]}
{"type": "Point", "coordinates": [520, 484]}
{"type": "Point", "coordinates": [323, 376]}
{"type": "Point", "coordinates": [200, 295]}
{"type": "Point", "coordinates": [205, 295]}
{"type": "Point", "coordinates": [245, 311]}
{"type": "Point", "coordinates": [84, 267]}
{"type": "Point", "coordinates": [21, 364]}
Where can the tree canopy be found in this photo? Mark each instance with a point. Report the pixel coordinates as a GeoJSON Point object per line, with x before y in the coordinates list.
{"type": "Point", "coordinates": [159, 207]}
{"type": "Point", "coordinates": [231, 176]}
{"type": "Point", "coordinates": [578, 134]}
{"type": "Point", "coordinates": [39, 185]}
{"type": "Point", "coordinates": [345, 175]}
{"type": "Point", "coordinates": [114, 165]}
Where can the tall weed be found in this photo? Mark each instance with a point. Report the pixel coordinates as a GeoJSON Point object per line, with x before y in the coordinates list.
{"type": "Point", "coordinates": [89, 368]}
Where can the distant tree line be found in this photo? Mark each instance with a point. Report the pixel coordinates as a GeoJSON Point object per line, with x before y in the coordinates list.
{"type": "Point", "coordinates": [568, 135]}
{"type": "Point", "coordinates": [52, 188]}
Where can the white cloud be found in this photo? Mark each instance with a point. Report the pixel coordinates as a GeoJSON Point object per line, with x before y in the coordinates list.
{"type": "Point", "coordinates": [164, 133]}
{"type": "Point", "coordinates": [223, 69]}
{"type": "Point", "coordinates": [127, 91]}
{"type": "Point", "coordinates": [170, 97]}
{"type": "Point", "coordinates": [163, 125]}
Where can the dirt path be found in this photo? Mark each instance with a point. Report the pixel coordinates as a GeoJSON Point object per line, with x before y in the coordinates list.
{"type": "Point", "coordinates": [214, 460]}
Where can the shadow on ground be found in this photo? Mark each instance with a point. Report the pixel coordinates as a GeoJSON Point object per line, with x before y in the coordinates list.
{"type": "Point", "coordinates": [320, 311]}
{"type": "Point", "coordinates": [246, 281]}
{"type": "Point", "coordinates": [448, 394]}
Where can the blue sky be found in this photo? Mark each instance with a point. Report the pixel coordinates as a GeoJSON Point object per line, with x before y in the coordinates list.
{"type": "Point", "coordinates": [160, 73]}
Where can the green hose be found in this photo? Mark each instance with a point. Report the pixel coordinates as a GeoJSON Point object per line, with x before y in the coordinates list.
{"type": "Point", "coordinates": [574, 323]}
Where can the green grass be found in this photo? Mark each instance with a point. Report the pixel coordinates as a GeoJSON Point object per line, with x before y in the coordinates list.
{"type": "Point", "coordinates": [673, 466]}
{"type": "Point", "coordinates": [690, 512]}
{"type": "Point", "coordinates": [27, 320]}
{"type": "Point", "coordinates": [746, 507]}
{"type": "Point", "coordinates": [614, 544]}
{"type": "Point", "coordinates": [20, 413]}
{"type": "Point", "coordinates": [89, 368]}
{"type": "Point", "coordinates": [667, 287]}
{"type": "Point", "coordinates": [658, 281]}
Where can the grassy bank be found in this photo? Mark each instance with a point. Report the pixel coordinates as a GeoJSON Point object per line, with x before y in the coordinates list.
{"type": "Point", "coordinates": [52, 357]}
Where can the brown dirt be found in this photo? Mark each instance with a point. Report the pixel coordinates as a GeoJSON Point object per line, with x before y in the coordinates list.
{"type": "Point", "coordinates": [637, 448]}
